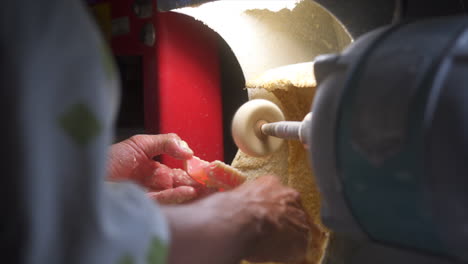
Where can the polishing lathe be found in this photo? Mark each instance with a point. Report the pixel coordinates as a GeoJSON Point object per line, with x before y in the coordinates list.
{"type": "Point", "coordinates": [259, 129]}
{"type": "Point", "coordinates": [389, 148]}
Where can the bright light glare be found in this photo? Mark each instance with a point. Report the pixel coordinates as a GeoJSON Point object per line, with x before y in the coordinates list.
{"type": "Point", "coordinates": [237, 6]}
{"type": "Point", "coordinates": [264, 34]}
{"type": "Point", "coordinates": [242, 32]}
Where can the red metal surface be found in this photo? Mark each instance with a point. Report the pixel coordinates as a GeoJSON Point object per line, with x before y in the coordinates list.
{"type": "Point", "coordinates": [189, 84]}
{"type": "Point", "coordinates": [181, 78]}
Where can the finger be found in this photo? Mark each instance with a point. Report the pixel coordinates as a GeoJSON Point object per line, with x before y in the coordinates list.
{"type": "Point", "coordinates": [298, 235]}
{"type": "Point", "coordinates": [181, 178]}
{"type": "Point", "coordinates": [164, 177]}
{"type": "Point", "coordinates": [291, 197]}
{"type": "Point", "coordinates": [316, 231]}
{"type": "Point", "coordinates": [170, 144]}
{"type": "Point", "coordinates": [160, 178]}
{"type": "Point", "coordinates": [299, 219]}
{"type": "Point", "coordinates": [204, 191]}
{"type": "Point", "coordinates": [174, 196]}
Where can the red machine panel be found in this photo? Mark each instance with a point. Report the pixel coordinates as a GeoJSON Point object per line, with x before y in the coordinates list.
{"type": "Point", "coordinates": [189, 84]}
{"type": "Point", "coordinates": [169, 62]}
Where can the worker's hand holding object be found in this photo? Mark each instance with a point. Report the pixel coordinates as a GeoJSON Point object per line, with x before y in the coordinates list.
{"type": "Point", "coordinates": [132, 160]}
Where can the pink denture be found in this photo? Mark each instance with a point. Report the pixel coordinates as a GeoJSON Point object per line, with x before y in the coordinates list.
{"type": "Point", "coordinates": [214, 174]}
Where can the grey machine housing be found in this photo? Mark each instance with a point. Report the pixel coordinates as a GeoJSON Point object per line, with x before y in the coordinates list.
{"type": "Point", "coordinates": [389, 144]}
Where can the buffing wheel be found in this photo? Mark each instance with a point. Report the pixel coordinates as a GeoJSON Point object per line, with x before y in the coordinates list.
{"type": "Point", "coordinates": [246, 126]}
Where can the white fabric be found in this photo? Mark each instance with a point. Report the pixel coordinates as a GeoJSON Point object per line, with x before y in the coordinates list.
{"type": "Point", "coordinates": [54, 65]}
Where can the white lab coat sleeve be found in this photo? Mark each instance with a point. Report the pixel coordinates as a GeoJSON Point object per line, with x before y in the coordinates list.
{"type": "Point", "coordinates": [60, 93]}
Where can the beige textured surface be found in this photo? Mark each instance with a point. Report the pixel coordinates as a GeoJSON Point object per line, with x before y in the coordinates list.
{"type": "Point", "coordinates": [293, 91]}
{"type": "Point", "coordinates": [299, 75]}
{"type": "Point", "coordinates": [264, 36]}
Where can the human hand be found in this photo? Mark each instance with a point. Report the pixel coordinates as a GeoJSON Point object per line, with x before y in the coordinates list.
{"type": "Point", "coordinates": [259, 221]}
{"type": "Point", "coordinates": [280, 225]}
{"type": "Point", "coordinates": [132, 159]}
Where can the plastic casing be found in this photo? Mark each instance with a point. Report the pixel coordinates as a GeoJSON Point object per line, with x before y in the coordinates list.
{"type": "Point", "coordinates": [389, 142]}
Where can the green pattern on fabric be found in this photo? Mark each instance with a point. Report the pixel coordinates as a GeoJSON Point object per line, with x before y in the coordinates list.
{"type": "Point", "coordinates": [157, 253]}
{"type": "Point", "coordinates": [125, 260]}
{"type": "Point", "coordinates": [80, 124]}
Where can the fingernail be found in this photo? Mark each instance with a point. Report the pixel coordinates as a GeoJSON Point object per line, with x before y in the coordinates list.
{"type": "Point", "coordinates": [184, 146]}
